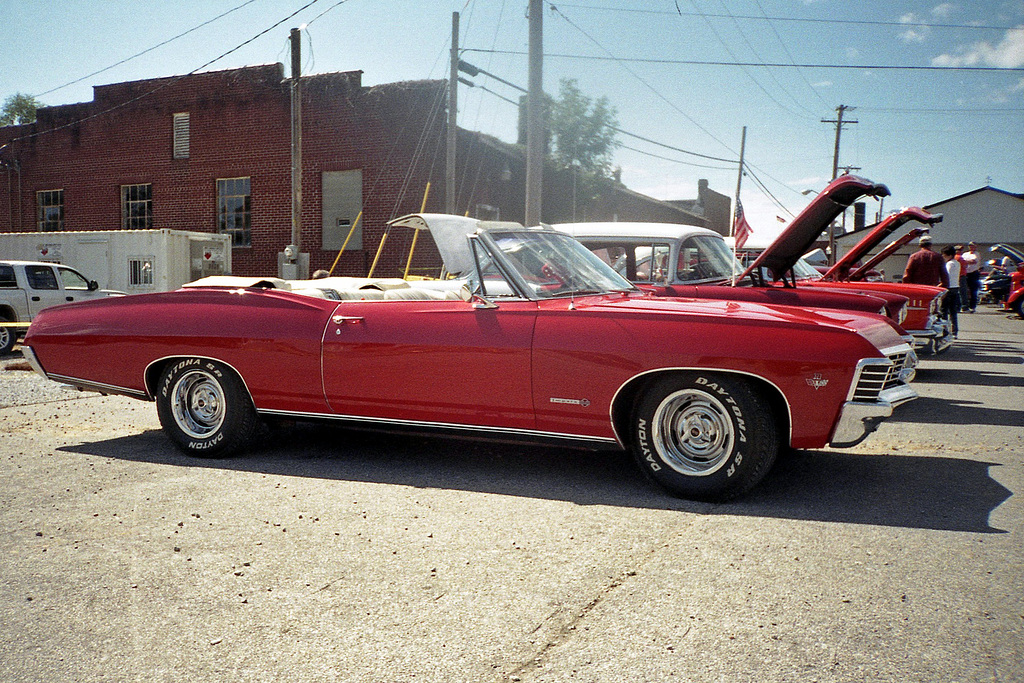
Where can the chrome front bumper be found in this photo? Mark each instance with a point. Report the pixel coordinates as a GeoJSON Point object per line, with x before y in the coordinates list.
{"type": "Point", "coordinates": [936, 339]}
{"type": "Point", "coordinates": [857, 420]}
{"type": "Point", "coordinates": [879, 385]}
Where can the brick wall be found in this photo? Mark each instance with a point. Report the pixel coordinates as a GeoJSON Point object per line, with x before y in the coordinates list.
{"type": "Point", "coordinates": [239, 126]}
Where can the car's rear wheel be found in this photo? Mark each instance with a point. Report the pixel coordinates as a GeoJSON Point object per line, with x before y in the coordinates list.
{"type": "Point", "coordinates": [704, 436]}
{"type": "Point", "coordinates": [205, 408]}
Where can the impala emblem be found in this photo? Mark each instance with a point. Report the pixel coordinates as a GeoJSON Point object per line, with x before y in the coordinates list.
{"type": "Point", "coordinates": [817, 381]}
{"type": "Point", "coordinates": [582, 402]}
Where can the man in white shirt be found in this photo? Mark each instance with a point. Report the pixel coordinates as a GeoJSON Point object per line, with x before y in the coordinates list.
{"type": "Point", "coordinates": [951, 302]}
{"type": "Point", "coordinates": [972, 265]}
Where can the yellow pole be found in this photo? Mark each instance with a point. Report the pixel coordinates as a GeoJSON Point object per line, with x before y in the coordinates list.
{"type": "Point", "coordinates": [416, 233]}
{"type": "Point", "coordinates": [351, 232]}
{"type": "Point", "coordinates": [383, 239]}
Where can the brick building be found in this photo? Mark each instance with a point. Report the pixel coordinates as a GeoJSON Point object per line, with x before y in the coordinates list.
{"type": "Point", "coordinates": [211, 152]}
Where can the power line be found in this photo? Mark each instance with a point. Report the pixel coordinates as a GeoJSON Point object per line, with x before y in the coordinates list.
{"type": "Point", "coordinates": [855, 22]}
{"type": "Point", "coordinates": [622, 63]}
{"type": "Point", "coordinates": [168, 81]}
{"type": "Point", "coordinates": [780, 65]}
{"type": "Point", "coordinates": [139, 54]}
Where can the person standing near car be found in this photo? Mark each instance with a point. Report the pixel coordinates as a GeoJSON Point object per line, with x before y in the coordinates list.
{"type": "Point", "coordinates": [972, 274]}
{"type": "Point", "coordinates": [925, 267]}
{"type": "Point", "coordinates": [951, 302]}
{"type": "Point", "coordinates": [963, 270]}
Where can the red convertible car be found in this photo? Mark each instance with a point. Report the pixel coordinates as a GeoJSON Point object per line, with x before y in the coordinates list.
{"type": "Point", "coordinates": [538, 339]}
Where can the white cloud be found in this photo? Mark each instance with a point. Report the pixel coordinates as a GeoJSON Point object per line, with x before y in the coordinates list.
{"type": "Point", "coordinates": [944, 11]}
{"type": "Point", "coordinates": [822, 84]}
{"type": "Point", "coordinates": [1008, 53]}
{"type": "Point", "coordinates": [852, 53]}
{"type": "Point", "coordinates": [916, 32]}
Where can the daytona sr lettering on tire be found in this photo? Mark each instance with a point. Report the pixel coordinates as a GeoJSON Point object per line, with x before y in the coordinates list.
{"type": "Point", "coordinates": [704, 436]}
{"type": "Point", "coordinates": [205, 408]}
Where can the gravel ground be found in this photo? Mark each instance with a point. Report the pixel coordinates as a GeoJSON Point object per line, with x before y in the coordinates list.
{"type": "Point", "coordinates": [20, 386]}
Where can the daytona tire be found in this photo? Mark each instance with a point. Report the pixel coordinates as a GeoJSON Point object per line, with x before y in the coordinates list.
{"type": "Point", "coordinates": [205, 408]}
{"type": "Point", "coordinates": [704, 436]}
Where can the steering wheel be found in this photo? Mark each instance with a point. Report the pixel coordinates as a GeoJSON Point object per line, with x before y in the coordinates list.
{"type": "Point", "coordinates": [549, 271]}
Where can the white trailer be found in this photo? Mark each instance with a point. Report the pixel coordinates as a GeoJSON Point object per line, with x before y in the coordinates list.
{"type": "Point", "coordinates": [132, 261]}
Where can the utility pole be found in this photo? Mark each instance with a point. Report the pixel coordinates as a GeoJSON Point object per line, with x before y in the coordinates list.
{"type": "Point", "coordinates": [739, 180]}
{"type": "Point", "coordinates": [840, 110]}
{"type": "Point", "coordinates": [453, 109]}
{"type": "Point", "coordinates": [293, 254]}
{"type": "Point", "coordinates": [535, 116]}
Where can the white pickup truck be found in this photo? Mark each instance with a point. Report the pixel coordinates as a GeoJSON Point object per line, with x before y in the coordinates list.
{"type": "Point", "coordinates": [27, 287]}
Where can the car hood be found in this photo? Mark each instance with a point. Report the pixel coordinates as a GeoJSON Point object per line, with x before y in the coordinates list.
{"type": "Point", "coordinates": [804, 230]}
{"type": "Point", "coordinates": [876, 329]}
{"type": "Point", "coordinates": [1007, 250]}
{"type": "Point", "coordinates": [888, 226]}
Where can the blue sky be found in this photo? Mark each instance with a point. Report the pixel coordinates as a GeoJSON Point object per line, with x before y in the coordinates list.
{"type": "Point", "coordinates": [929, 134]}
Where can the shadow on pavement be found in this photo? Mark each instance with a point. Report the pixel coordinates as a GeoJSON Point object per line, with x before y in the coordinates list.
{"type": "Point", "coordinates": [884, 490]}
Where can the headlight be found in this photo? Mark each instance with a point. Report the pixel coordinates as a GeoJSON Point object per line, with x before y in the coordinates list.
{"type": "Point", "coordinates": [901, 315]}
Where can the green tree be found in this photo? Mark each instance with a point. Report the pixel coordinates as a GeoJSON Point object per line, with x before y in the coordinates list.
{"type": "Point", "coordinates": [19, 108]}
{"type": "Point", "coordinates": [582, 131]}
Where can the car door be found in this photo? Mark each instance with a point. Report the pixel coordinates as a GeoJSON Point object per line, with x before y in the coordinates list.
{"type": "Point", "coordinates": [437, 361]}
{"type": "Point", "coordinates": [76, 287]}
{"type": "Point", "coordinates": [43, 288]}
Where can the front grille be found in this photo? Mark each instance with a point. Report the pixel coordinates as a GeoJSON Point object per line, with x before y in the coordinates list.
{"type": "Point", "coordinates": [899, 359]}
{"type": "Point", "coordinates": [875, 378]}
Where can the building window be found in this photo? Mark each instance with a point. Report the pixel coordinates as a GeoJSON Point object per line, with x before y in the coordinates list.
{"type": "Point", "coordinates": [137, 207]}
{"type": "Point", "coordinates": [181, 135]}
{"type": "Point", "coordinates": [50, 216]}
{"type": "Point", "coordinates": [140, 271]}
{"type": "Point", "coordinates": [233, 210]}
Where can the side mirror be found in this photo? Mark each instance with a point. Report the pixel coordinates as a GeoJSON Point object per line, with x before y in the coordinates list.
{"type": "Point", "coordinates": [93, 285]}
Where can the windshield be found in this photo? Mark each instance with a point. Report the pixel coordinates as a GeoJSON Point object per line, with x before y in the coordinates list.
{"type": "Point", "coordinates": [705, 257]}
{"type": "Point", "coordinates": [553, 265]}
{"type": "Point", "coordinates": [803, 270]}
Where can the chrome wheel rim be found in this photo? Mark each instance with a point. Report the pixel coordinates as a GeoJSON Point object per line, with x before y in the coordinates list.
{"type": "Point", "coordinates": [198, 403]}
{"type": "Point", "coordinates": [693, 432]}
{"type": "Point", "coordinates": [5, 336]}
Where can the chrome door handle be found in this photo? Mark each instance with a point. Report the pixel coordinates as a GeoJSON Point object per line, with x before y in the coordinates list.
{"type": "Point", "coordinates": [342, 319]}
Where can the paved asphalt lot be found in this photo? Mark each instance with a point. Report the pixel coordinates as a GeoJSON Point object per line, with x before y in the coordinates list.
{"type": "Point", "coordinates": [327, 555]}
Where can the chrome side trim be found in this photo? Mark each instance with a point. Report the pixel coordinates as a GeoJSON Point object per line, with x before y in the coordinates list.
{"type": "Point", "coordinates": [438, 425]}
{"type": "Point", "coordinates": [615, 396]}
{"type": "Point", "coordinates": [89, 385]}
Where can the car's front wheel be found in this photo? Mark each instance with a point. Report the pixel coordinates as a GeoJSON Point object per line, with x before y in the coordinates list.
{"type": "Point", "coordinates": [704, 436]}
{"type": "Point", "coordinates": [8, 337]}
{"type": "Point", "coordinates": [205, 408]}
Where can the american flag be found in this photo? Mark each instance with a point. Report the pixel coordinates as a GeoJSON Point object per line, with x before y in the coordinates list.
{"type": "Point", "coordinates": [741, 229]}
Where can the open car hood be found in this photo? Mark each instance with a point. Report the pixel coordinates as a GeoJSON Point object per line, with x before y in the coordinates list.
{"type": "Point", "coordinates": [861, 272]}
{"type": "Point", "coordinates": [450, 234]}
{"type": "Point", "coordinates": [888, 226]}
{"type": "Point", "coordinates": [799, 235]}
{"type": "Point", "coordinates": [1007, 250]}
